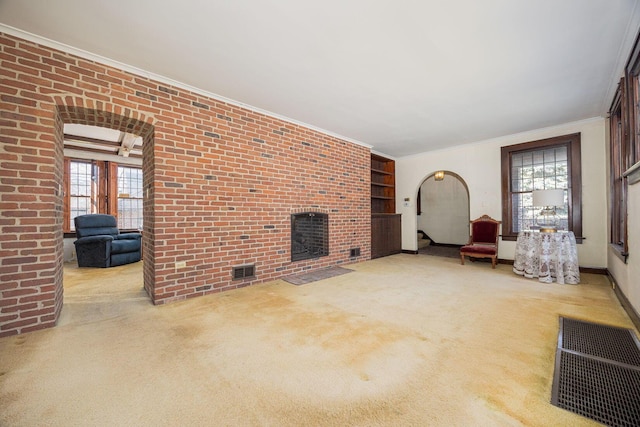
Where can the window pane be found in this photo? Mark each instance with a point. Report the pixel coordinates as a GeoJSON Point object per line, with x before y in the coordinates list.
{"type": "Point", "coordinates": [563, 213]}
{"type": "Point", "coordinates": [550, 170]}
{"type": "Point", "coordinates": [549, 156]}
{"type": "Point", "coordinates": [129, 198]}
{"type": "Point", "coordinates": [523, 214]}
{"type": "Point", "coordinates": [80, 190]}
{"type": "Point", "coordinates": [80, 179]}
{"type": "Point", "coordinates": [549, 182]}
{"type": "Point", "coordinates": [541, 169]}
{"type": "Point", "coordinates": [538, 157]}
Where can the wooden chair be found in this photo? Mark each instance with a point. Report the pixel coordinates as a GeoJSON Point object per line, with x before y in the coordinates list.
{"type": "Point", "coordinates": [483, 242]}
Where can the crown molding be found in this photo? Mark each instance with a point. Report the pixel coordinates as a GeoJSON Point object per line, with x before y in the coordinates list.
{"type": "Point", "coordinates": [162, 79]}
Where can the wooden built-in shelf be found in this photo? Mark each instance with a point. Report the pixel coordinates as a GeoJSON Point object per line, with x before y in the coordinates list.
{"type": "Point", "coordinates": [385, 223]}
{"type": "Point", "coordinates": [382, 172]}
{"type": "Point", "coordinates": [383, 185]}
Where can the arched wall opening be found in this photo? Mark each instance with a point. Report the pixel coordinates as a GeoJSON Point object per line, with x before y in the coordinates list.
{"type": "Point", "coordinates": [72, 111]}
{"type": "Point", "coordinates": [443, 209]}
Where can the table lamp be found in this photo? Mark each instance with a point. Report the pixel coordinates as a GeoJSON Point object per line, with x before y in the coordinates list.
{"type": "Point", "coordinates": [547, 219]}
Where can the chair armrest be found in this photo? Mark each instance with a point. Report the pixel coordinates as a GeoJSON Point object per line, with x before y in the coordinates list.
{"type": "Point", "coordinates": [129, 236]}
{"type": "Point", "coordinates": [94, 239]}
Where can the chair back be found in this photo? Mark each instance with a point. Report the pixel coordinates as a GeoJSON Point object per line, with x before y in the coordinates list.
{"type": "Point", "coordinates": [95, 225]}
{"type": "Point", "coordinates": [485, 230]}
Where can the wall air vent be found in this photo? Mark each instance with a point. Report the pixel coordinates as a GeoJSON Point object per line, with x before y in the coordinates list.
{"type": "Point", "coordinates": [244, 271]}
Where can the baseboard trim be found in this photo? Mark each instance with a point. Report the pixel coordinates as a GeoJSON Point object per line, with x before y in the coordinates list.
{"type": "Point", "coordinates": [594, 270]}
{"type": "Point", "coordinates": [624, 302]}
{"type": "Point", "coordinates": [445, 245]}
{"type": "Point", "coordinates": [589, 270]}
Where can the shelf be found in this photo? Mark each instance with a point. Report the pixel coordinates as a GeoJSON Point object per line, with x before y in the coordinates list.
{"type": "Point", "coordinates": [383, 179]}
{"type": "Point", "coordinates": [382, 172]}
{"type": "Point", "coordinates": [386, 236]}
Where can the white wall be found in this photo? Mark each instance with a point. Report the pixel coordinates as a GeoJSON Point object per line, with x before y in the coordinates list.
{"type": "Point", "coordinates": [478, 164]}
{"type": "Point", "coordinates": [445, 210]}
{"type": "Point", "coordinates": [69, 250]}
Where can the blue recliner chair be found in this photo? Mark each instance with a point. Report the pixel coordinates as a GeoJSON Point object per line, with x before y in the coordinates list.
{"type": "Point", "coordinates": [100, 243]}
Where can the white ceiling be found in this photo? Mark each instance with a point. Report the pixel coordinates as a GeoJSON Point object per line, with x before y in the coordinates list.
{"type": "Point", "coordinates": [83, 141]}
{"type": "Point", "coordinates": [403, 76]}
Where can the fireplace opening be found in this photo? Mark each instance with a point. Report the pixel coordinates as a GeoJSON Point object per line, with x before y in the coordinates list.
{"type": "Point", "coordinates": [309, 235]}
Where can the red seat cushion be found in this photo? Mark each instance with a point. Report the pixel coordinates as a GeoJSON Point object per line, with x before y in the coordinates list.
{"type": "Point", "coordinates": [479, 249]}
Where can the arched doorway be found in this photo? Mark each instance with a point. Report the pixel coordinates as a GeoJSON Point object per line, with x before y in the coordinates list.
{"type": "Point", "coordinates": [128, 122]}
{"type": "Point", "coordinates": [443, 210]}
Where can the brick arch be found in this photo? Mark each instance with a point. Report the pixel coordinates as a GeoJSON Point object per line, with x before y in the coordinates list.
{"type": "Point", "coordinates": [98, 113]}
{"type": "Point", "coordinates": [78, 110]}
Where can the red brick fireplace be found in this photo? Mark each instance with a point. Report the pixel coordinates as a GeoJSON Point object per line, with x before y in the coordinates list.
{"type": "Point", "coordinates": [221, 183]}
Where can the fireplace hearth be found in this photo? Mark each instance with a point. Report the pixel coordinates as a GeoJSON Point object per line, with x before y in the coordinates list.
{"type": "Point", "coordinates": [309, 235]}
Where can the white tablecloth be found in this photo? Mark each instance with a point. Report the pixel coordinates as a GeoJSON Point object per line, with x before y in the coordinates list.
{"type": "Point", "coordinates": [547, 256]}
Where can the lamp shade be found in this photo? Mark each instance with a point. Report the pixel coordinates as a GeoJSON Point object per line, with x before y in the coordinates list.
{"type": "Point", "coordinates": [553, 197]}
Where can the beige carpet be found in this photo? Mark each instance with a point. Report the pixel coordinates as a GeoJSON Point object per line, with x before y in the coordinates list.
{"type": "Point", "coordinates": [406, 340]}
{"type": "Point", "coordinates": [446, 251]}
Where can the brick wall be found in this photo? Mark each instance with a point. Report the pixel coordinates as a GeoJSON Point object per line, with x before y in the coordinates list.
{"type": "Point", "coordinates": [220, 182]}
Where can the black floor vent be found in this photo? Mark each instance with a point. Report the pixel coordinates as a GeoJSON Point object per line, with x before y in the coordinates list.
{"type": "Point", "coordinates": [597, 372]}
{"type": "Point", "coordinates": [607, 342]}
{"type": "Point", "coordinates": [244, 271]}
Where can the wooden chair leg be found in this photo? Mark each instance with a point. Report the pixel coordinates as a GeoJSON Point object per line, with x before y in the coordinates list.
{"type": "Point", "coordinates": [461, 259]}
